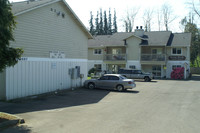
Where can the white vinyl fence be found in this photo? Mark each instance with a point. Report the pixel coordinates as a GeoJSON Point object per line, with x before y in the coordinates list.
{"type": "Point", "coordinates": [33, 76]}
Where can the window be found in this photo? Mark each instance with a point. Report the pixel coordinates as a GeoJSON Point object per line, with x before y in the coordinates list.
{"type": "Point", "coordinates": [175, 66]}
{"type": "Point", "coordinates": [116, 51]}
{"type": "Point", "coordinates": [104, 78]}
{"type": "Point", "coordinates": [132, 67]}
{"type": "Point", "coordinates": [113, 78]}
{"type": "Point", "coordinates": [138, 72]}
{"type": "Point", "coordinates": [156, 70]}
{"type": "Point", "coordinates": [97, 51]}
{"type": "Point", "coordinates": [154, 51]}
{"type": "Point", "coordinates": [176, 51]}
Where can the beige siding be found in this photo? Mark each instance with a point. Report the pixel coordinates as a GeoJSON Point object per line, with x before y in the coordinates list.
{"type": "Point", "coordinates": [148, 49]}
{"type": "Point", "coordinates": [109, 50]}
{"type": "Point", "coordinates": [184, 52]}
{"type": "Point", "coordinates": [2, 86]}
{"type": "Point", "coordinates": [92, 56]}
{"type": "Point", "coordinates": [133, 48]}
{"type": "Point", "coordinates": [41, 30]}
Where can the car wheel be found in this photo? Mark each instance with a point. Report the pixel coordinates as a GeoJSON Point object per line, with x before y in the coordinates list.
{"type": "Point", "coordinates": [91, 86]}
{"type": "Point", "coordinates": [146, 79]}
{"type": "Point", "coordinates": [120, 87]}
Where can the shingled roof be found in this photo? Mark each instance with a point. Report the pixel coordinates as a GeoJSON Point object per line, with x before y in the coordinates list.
{"type": "Point", "coordinates": [181, 39]}
{"type": "Point", "coordinates": [153, 38]}
{"type": "Point", "coordinates": [116, 39]}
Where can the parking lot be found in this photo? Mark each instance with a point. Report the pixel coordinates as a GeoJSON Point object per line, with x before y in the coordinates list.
{"type": "Point", "coordinates": [160, 106]}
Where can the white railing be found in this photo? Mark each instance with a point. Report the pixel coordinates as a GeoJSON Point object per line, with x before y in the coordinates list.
{"type": "Point", "coordinates": [114, 57]}
{"type": "Point", "coordinates": [153, 57]}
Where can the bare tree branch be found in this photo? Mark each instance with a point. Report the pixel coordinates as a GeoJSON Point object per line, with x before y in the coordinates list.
{"type": "Point", "coordinates": [129, 19]}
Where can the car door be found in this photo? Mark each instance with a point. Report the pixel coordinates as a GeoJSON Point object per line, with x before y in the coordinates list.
{"type": "Point", "coordinates": [112, 82]}
{"type": "Point", "coordinates": [134, 74]}
{"type": "Point", "coordinates": [139, 74]}
{"type": "Point", "coordinates": [127, 73]}
{"type": "Point", "coordinates": [102, 82]}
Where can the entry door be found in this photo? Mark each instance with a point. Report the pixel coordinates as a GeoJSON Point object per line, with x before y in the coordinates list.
{"type": "Point", "coordinates": [156, 70]}
{"type": "Point", "coordinates": [156, 50]}
{"type": "Point", "coordinates": [116, 51]}
{"type": "Point", "coordinates": [102, 82]}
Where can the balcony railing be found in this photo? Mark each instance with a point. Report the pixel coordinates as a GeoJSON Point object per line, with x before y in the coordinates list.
{"type": "Point", "coordinates": [114, 57]}
{"type": "Point", "coordinates": [153, 57]}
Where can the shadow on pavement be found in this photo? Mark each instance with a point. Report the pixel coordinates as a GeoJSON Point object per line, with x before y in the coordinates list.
{"type": "Point", "coordinates": [60, 100]}
{"type": "Point", "coordinates": [17, 129]}
{"type": "Point", "coordinates": [152, 81]}
{"type": "Point", "coordinates": [127, 91]}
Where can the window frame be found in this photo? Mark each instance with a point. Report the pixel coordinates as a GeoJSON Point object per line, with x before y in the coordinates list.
{"type": "Point", "coordinates": [172, 51]}
{"type": "Point", "coordinates": [96, 51]}
{"type": "Point", "coordinates": [175, 66]}
{"type": "Point", "coordinates": [111, 78]}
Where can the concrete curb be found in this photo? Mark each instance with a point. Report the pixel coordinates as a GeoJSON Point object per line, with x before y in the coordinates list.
{"type": "Point", "coordinates": [12, 121]}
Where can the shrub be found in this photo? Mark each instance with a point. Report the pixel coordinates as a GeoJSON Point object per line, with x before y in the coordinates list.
{"type": "Point", "coordinates": [177, 73]}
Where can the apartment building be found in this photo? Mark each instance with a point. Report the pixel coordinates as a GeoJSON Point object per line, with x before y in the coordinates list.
{"type": "Point", "coordinates": [55, 44]}
{"type": "Point", "coordinates": [158, 52]}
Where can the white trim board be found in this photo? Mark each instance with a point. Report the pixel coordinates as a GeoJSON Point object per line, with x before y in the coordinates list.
{"type": "Point", "coordinates": [51, 59]}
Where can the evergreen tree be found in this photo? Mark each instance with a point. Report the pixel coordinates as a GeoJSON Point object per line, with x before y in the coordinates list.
{"type": "Point", "coordinates": [115, 22]}
{"type": "Point", "coordinates": [195, 39]}
{"type": "Point", "coordinates": [101, 32]}
{"type": "Point", "coordinates": [126, 26]}
{"type": "Point", "coordinates": [105, 24]}
{"type": "Point", "coordinates": [109, 23]}
{"type": "Point", "coordinates": [97, 30]}
{"type": "Point", "coordinates": [91, 24]}
{"type": "Point", "coordinates": [8, 56]}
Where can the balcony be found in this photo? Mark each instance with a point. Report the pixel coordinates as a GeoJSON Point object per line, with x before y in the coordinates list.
{"type": "Point", "coordinates": [153, 58]}
{"type": "Point", "coordinates": [114, 57]}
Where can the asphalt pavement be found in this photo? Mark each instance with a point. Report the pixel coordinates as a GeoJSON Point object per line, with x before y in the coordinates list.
{"type": "Point", "coordinates": [160, 106]}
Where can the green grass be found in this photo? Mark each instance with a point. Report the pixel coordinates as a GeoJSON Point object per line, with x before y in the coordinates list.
{"type": "Point", "coordinates": [197, 60]}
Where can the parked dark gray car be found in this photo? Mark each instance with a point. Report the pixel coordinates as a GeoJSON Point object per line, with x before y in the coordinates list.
{"type": "Point", "coordinates": [136, 74]}
{"type": "Point", "coordinates": [111, 81]}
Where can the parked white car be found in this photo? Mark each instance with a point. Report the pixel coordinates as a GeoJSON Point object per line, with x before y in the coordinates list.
{"type": "Point", "coordinates": [111, 81]}
{"type": "Point", "coordinates": [136, 74]}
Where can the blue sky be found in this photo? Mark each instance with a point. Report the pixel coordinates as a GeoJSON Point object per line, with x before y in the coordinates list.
{"type": "Point", "coordinates": [83, 7]}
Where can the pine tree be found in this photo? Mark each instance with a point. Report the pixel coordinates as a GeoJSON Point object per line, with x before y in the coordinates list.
{"type": "Point", "coordinates": [91, 24]}
{"type": "Point", "coordinates": [105, 24]}
{"type": "Point", "coordinates": [115, 22]}
{"type": "Point", "coordinates": [101, 32]}
{"type": "Point", "coordinates": [109, 23]}
{"type": "Point", "coordinates": [97, 30]}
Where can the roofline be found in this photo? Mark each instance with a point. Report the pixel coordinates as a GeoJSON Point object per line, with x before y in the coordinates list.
{"type": "Point", "coordinates": [76, 18]}
{"type": "Point", "coordinates": [72, 12]}
{"type": "Point", "coordinates": [106, 46]}
{"type": "Point", "coordinates": [30, 9]}
{"type": "Point", "coordinates": [134, 36]}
